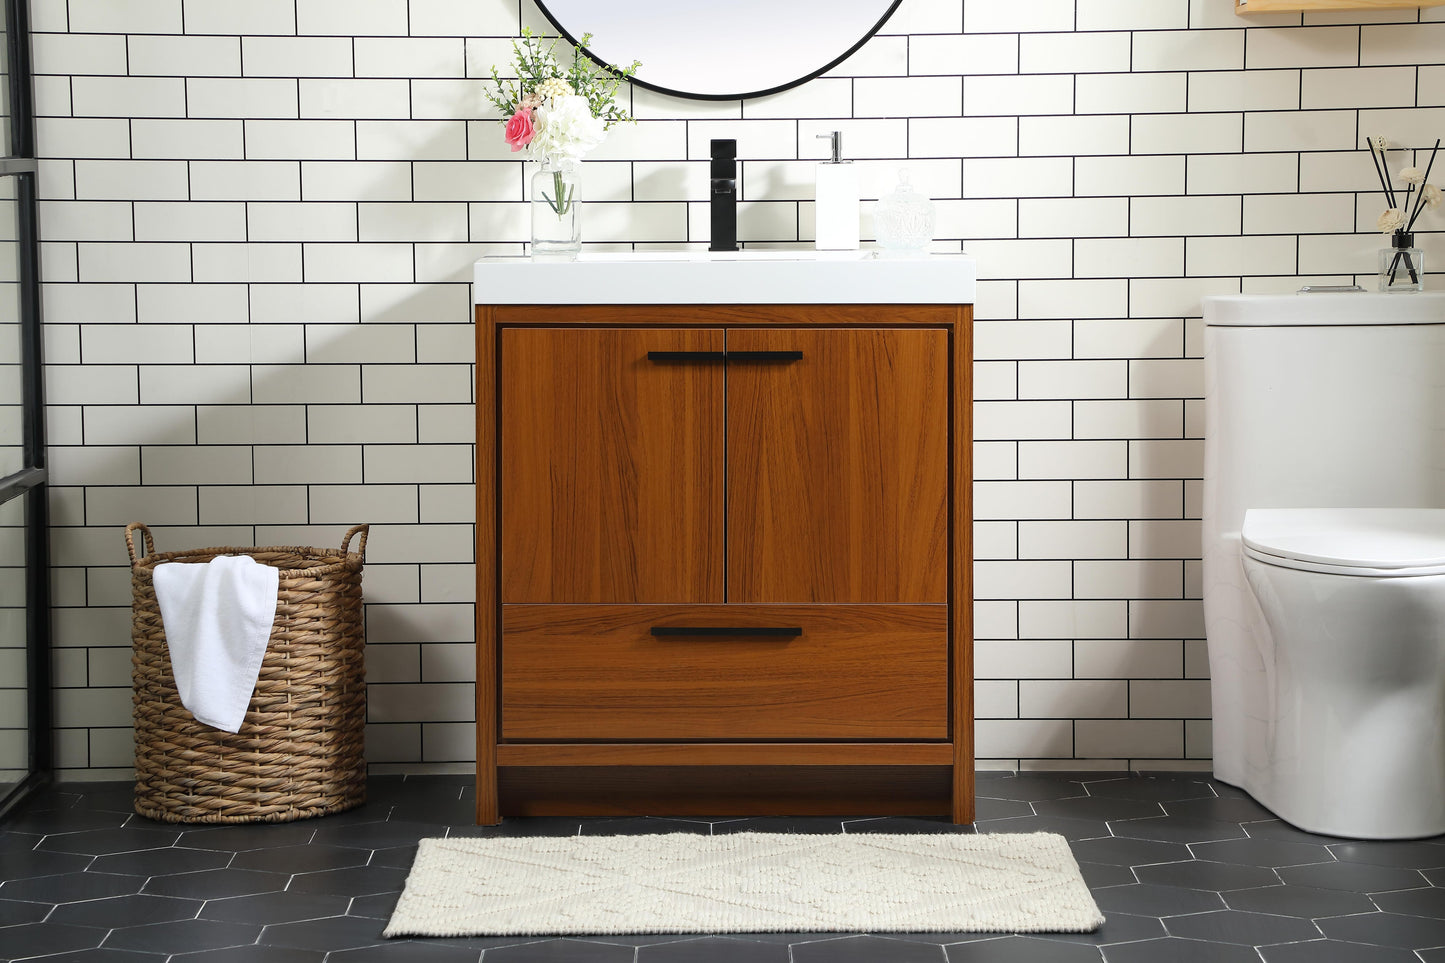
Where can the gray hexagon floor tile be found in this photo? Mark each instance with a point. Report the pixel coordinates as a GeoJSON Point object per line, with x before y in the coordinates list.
{"type": "Point", "coordinates": [867, 949]}
{"type": "Point", "coordinates": [1386, 929]}
{"type": "Point", "coordinates": [1354, 877]}
{"type": "Point", "coordinates": [1301, 901]}
{"type": "Point", "coordinates": [1021, 949]}
{"type": "Point", "coordinates": [1414, 902]}
{"type": "Point", "coordinates": [218, 883]}
{"type": "Point", "coordinates": [1261, 852]}
{"type": "Point", "coordinates": [1155, 900]}
{"type": "Point", "coordinates": [1246, 929]}
{"type": "Point", "coordinates": [1176, 829]}
{"type": "Point", "coordinates": [1331, 951]}
{"type": "Point", "coordinates": [712, 949]}
{"type": "Point", "coordinates": [276, 908]}
{"type": "Point", "coordinates": [121, 911]}
{"type": "Point", "coordinates": [183, 936]}
{"type": "Point", "coordinates": [14, 912]}
{"type": "Point", "coordinates": [1406, 855]}
{"type": "Point", "coordinates": [1175, 950]}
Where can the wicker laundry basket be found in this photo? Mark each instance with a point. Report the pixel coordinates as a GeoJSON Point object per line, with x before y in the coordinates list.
{"type": "Point", "coordinates": [299, 752]}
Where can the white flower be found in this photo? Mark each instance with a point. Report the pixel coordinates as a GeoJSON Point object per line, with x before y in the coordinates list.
{"type": "Point", "coordinates": [1392, 220]}
{"type": "Point", "coordinates": [554, 88]}
{"type": "Point", "coordinates": [566, 129]}
{"type": "Point", "coordinates": [1413, 176]}
{"type": "Point", "coordinates": [1379, 143]}
{"type": "Point", "coordinates": [1431, 196]}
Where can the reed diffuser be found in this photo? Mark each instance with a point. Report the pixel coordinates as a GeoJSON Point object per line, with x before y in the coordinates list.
{"type": "Point", "coordinates": [1402, 265]}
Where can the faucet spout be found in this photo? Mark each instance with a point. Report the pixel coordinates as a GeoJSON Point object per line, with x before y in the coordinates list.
{"type": "Point", "coordinates": [724, 195]}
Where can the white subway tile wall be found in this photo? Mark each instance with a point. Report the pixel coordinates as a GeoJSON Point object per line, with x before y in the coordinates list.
{"type": "Point", "coordinates": [259, 221]}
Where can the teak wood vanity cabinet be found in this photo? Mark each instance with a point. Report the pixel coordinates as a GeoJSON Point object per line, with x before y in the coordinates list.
{"type": "Point", "coordinates": [724, 559]}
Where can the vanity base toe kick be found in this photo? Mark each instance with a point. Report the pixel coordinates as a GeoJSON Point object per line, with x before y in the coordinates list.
{"type": "Point", "coordinates": [724, 560]}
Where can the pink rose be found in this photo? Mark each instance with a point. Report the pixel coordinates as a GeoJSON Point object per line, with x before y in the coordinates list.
{"type": "Point", "coordinates": [519, 129]}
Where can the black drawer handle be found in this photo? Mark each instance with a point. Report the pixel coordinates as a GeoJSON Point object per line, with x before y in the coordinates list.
{"type": "Point", "coordinates": [771, 631]}
{"type": "Point", "coordinates": [714, 356]}
{"type": "Point", "coordinates": [759, 356]}
{"type": "Point", "coordinates": [743, 357]}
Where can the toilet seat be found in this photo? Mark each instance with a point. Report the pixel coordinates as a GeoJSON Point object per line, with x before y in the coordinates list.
{"type": "Point", "coordinates": [1369, 542]}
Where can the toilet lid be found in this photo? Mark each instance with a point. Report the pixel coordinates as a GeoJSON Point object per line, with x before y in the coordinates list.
{"type": "Point", "coordinates": [1379, 541]}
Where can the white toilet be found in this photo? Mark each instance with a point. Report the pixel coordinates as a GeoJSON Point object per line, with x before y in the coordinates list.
{"type": "Point", "coordinates": [1324, 556]}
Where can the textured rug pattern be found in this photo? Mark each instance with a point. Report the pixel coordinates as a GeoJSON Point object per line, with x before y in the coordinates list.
{"type": "Point", "coordinates": [745, 883]}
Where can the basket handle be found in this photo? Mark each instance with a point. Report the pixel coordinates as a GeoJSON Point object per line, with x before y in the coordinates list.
{"type": "Point", "coordinates": [148, 542]}
{"type": "Point", "coordinates": [361, 545]}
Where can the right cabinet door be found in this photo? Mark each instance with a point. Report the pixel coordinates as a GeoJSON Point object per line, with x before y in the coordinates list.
{"type": "Point", "coordinates": [837, 481]}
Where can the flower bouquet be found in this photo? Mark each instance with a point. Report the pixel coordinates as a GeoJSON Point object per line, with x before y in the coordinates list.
{"type": "Point", "coordinates": [1402, 259]}
{"type": "Point", "coordinates": [557, 113]}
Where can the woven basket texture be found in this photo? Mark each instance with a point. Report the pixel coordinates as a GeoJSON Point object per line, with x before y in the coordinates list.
{"type": "Point", "coordinates": [300, 750]}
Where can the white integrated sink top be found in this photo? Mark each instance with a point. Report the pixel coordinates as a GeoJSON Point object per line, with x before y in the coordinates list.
{"type": "Point", "coordinates": [732, 277]}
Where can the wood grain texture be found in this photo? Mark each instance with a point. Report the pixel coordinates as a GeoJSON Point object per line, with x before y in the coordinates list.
{"type": "Point", "coordinates": [726, 754]}
{"type": "Point", "coordinates": [838, 467]}
{"type": "Point", "coordinates": [488, 631]}
{"type": "Point", "coordinates": [725, 791]}
{"type": "Point", "coordinates": [960, 566]}
{"type": "Point", "coordinates": [596, 672]}
{"type": "Point", "coordinates": [611, 467]}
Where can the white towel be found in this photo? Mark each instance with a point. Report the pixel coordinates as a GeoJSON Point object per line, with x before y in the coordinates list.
{"type": "Point", "coordinates": [217, 618]}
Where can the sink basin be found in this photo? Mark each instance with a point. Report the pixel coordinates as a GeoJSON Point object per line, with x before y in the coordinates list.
{"type": "Point", "coordinates": [729, 277]}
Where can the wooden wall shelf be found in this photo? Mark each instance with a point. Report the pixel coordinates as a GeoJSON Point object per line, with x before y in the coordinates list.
{"type": "Point", "coordinates": [1305, 6]}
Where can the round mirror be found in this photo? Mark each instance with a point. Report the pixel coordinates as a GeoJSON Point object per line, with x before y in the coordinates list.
{"type": "Point", "coordinates": [724, 50]}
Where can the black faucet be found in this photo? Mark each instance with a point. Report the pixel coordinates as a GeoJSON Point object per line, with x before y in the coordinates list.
{"type": "Point", "coordinates": [724, 195]}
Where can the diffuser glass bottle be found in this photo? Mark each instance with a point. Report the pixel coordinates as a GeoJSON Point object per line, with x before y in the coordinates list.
{"type": "Point", "coordinates": [1402, 264]}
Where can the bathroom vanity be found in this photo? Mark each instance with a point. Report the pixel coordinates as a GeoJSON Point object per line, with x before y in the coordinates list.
{"type": "Point", "coordinates": [723, 535]}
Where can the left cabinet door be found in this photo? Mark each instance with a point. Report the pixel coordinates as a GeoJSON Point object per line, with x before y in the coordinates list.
{"type": "Point", "coordinates": [611, 466]}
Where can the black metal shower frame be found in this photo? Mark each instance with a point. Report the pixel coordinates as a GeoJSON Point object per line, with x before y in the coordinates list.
{"type": "Point", "coordinates": [30, 483]}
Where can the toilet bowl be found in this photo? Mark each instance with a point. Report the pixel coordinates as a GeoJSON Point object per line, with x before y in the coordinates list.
{"type": "Point", "coordinates": [1352, 603]}
{"type": "Point", "coordinates": [1324, 419]}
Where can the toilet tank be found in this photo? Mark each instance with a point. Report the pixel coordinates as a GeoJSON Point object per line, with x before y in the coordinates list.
{"type": "Point", "coordinates": [1323, 401]}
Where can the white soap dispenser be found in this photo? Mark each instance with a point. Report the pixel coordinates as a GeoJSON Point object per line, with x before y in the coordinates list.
{"type": "Point", "coordinates": [836, 206]}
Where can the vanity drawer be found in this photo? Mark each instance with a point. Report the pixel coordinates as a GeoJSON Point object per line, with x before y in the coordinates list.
{"type": "Point", "coordinates": [613, 672]}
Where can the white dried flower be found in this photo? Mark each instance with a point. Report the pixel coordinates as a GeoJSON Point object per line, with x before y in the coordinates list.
{"type": "Point", "coordinates": [553, 88]}
{"type": "Point", "coordinates": [1431, 196]}
{"type": "Point", "coordinates": [1413, 176]}
{"type": "Point", "coordinates": [1379, 143]}
{"type": "Point", "coordinates": [1392, 220]}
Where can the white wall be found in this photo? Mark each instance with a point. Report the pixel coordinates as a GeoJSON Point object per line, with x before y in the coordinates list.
{"type": "Point", "coordinates": [260, 217]}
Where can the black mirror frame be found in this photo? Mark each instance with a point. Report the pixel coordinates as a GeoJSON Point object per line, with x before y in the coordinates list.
{"type": "Point", "coordinates": [872, 32]}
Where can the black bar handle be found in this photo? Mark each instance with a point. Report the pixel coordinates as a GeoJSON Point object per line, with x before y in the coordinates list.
{"type": "Point", "coordinates": [771, 631]}
{"type": "Point", "coordinates": [715, 356]}
{"type": "Point", "coordinates": [749, 356]}
{"type": "Point", "coordinates": [686, 355]}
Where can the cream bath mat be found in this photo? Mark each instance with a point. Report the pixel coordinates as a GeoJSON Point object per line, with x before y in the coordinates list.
{"type": "Point", "coordinates": [745, 883]}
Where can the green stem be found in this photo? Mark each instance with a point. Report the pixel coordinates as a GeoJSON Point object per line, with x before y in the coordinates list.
{"type": "Point", "coordinates": [564, 195]}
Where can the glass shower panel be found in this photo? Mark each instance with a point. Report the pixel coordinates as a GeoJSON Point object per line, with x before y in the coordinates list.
{"type": "Point", "coordinates": [14, 700]}
{"type": "Point", "coordinates": [12, 409]}
{"type": "Point", "coordinates": [5, 128]}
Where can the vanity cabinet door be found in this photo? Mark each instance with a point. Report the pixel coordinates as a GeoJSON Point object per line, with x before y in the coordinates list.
{"type": "Point", "coordinates": [838, 466]}
{"type": "Point", "coordinates": [611, 466]}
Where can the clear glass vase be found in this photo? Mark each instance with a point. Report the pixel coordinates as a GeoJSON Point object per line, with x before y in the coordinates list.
{"type": "Point", "coordinates": [556, 226]}
{"type": "Point", "coordinates": [1402, 264]}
